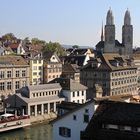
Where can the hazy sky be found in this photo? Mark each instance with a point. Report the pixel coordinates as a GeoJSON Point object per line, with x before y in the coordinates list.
{"type": "Point", "coordinates": [66, 21]}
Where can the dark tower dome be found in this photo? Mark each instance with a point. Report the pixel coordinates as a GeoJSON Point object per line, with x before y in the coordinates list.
{"type": "Point", "coordinates": [109, 18]}
{"type": "Point", "coordinates": [127, 18]}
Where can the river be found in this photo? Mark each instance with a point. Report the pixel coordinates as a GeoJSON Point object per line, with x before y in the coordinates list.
{"type": "Point", "coordinates": [35, 132]}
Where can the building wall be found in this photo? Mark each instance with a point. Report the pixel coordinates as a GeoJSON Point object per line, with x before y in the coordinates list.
{"type": "Point", "coordinates": [36, 71]}
{"type": "Point", "coordinates": [52, 71]}
{"type": "Point", "coordinates": [75, 96]}
{"type": "Point", "coordinates": [76, 126]}
{"type": "Point", "coordinates": [113, 83]}
{"type": "Point", "coordinates": [17, 76]}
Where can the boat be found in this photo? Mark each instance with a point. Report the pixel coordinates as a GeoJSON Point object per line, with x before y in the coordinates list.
{"type": "Point", "coordinates": [11, 121]}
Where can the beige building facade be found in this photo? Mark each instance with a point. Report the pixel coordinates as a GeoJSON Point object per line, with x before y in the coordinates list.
{"type": "Point", "coordinates": [36, 71]}
{"type": "Point", "coordinates": [52, 67]}
{"type": "Point", "coordinates": [14, 74]}
{"type": "Point", "coordinates": [115, 74]}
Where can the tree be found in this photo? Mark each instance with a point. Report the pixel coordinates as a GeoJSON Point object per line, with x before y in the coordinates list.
{"type": "Point", "coordinates": [53, 47]}
{"type": "Point", "coordinates": [8, 37]}
{"type": "Point", "coordinates": [36, 41]}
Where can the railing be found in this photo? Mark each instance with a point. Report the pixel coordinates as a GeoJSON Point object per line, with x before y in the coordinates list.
{"type": "Point", "coordinates": [14, 118]}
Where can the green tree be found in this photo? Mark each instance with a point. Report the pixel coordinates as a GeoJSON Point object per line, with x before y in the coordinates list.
{"type": "Point", "coordinates": [36, 41]}
{"type": "Point", "coordinates": [9, 37]}
{"type": "Point", "coordinates": [53, 47]}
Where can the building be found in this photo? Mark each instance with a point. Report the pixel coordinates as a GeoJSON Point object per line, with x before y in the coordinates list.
{"type": "Point", "coordinates": [52, 67]}
{"type": "Point", "coordinates": [17, 47]}
{"type": "Point", "coordinates": [136, 57]}
{"type": "Point", "coordinates": [14, 74]}
{"type": "Point", "coordinates": [36, 70]}
{"type": "Point", "coordinates": [69, 125]}
{"type": "Point", "coordinates": [114, 120]}
{"type": "Point", "coordinates": [81, 51]}
{"type": "Point", "coordinates": [114, 73]}
{"type": "Point", "coordinates": [74, 91]}
{"type": "Point", "coordinates": [71, 71]}
{"type": "Point", "coordinates": [80, 60]}
{"type": "Point", "coordinates": [37, 100]}
{"type": "Point", "coordinates": [109, 44]}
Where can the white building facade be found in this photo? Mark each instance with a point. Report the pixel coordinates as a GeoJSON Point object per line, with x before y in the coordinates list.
{"type": "Point", "coordinates": [71, 124]}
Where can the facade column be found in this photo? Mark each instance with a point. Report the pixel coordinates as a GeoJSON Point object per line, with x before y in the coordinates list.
{"type": "Point", "coordinates": [35, 110]}
{"type": "Point", "coordinates": [54, 109]}
{"type": "Point", "coordinates": [29, 112]}
{"type": "Point", "coordinates": [48, 108]}
{"type": "Point", "coordinates": [42, 109]}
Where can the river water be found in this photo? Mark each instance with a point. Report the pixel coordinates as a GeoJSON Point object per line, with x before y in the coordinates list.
{"type": "Point", "coordinates": [35, 132]}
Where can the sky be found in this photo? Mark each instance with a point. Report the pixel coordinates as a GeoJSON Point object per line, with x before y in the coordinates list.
{"type": "Point", "coordinates": [71, 22]}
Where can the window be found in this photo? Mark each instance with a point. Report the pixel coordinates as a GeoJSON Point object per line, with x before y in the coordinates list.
{"type": "Point", "coordinates": [134, 129]}
{"type": "Point", "coordinates": [73, 94]}
{"type": "Point", "coordinates": [86, 110]}
{"type": "Point", "coordinates": [120, 127]}
{"type": "Point", "coordinates": [82, 93]}
{"type": "Point", "coordinates": [35, 61]}
{"type": "Point", "coordinates": [34, 73]}
{"type": "Point", "coordinates": [74, 117]}
{"type": "Point", "coordinates": [9, 85]}
{"type": "Point", "coordinates": [34, 67]}
{"type": "Point", "coordinates": [39, 61]}
{"type": "Point", "coordinates": [35, 80]}
{"type": "Point", "coordinates": [86, 118]}
{"type": "Point", "coordinates": [23, 73]}
{"type": "Point", "coordinates": [65, 132]}
{"type": "Point", "coordinates": [77, 93]}
{"type": "Point", "coordinates": [17, 73]}
{"type": "Point", "coordinates": [2, 86]}
{"type": "Point", "coordinates": [1, 74]}
{"type": "Point", "coordinates": [39, 67]}
{"type": "Point", "coordinates": [9, 74]}
{"type": "Point", "coordinates": [17, 85]}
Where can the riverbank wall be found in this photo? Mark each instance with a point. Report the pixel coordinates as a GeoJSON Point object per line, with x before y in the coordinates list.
{"type": "Point", "coordinates": [42, 118]}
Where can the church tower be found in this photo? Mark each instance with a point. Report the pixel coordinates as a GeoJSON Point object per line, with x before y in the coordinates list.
{"type": "Point", "coordinates": [127, 34]}
{"type": "Point", "coordinates": [109, 33]}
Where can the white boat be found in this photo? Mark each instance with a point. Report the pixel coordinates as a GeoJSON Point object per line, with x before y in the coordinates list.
{"type": "Point", "coordinates": [11, 121]}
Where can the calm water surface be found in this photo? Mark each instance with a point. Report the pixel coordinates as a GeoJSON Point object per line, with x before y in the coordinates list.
{"type": "Point", "coordinates": [35, 132]}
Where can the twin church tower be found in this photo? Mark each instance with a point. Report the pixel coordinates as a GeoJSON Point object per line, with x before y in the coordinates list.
{"type": "Point", "coordinates": [109, 44]}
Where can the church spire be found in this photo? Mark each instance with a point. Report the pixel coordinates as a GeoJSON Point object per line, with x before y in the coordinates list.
{"type": "Point", "coordinates": [127, 18]}
{"type": "Point", "coordinates": [109, 18]}
{"type": "Point", "coordinates": [102, 33]}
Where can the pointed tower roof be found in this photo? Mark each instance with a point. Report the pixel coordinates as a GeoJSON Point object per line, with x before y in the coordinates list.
{"type": "Point", "coordinates": [109, 18]}
{"type": "Point", "coordinates": [102, 33]}
{"type": "Point", "coordinates": [127, 18]}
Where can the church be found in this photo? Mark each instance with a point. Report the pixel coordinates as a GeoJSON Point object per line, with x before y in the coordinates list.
{"type": "Point", "coordinates": [109, 44]}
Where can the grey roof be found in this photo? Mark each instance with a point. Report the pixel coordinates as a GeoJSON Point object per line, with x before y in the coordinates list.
{"type": "Point", "coordinates": [39, 99]}
{"type": "Point", "coordinates": [74, 59]}
{"type": "Point", "coordinates": [73, 86]}
{"type": "Point", "coordinates": [44, 87]}
{"type": "Point", "coordinates": [109, 61]}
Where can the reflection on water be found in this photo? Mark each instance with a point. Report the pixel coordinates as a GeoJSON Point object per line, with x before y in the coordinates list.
{"type": "Point", "coordinates": [36, 132]}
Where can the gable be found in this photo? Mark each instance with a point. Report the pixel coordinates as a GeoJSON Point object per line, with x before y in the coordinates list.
{"type": "Point", "coordinates": [54, 58]}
